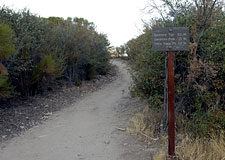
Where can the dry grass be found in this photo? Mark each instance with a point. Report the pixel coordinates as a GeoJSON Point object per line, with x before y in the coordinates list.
{"type": "Point", "coordinates": [160, 156]}
{"type": "Point", "coordinates": [200, 149]}
{"type": "Point", "coordinates": [144, 125]}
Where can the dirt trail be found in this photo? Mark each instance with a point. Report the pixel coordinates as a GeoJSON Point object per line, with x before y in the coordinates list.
{"type": "Point", "coordinates": [87, 130]}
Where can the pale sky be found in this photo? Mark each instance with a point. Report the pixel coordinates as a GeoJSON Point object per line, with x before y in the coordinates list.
{"type": "Point", "coordinates": [119, 19]}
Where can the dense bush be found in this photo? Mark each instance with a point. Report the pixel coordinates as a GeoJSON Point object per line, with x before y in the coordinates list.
{"type": "Point", "coordinates": [199, 73]}
{"type": "Point", "coordinates": [48, 49]}
{"type": "Point", "coordinates": [6, 50]}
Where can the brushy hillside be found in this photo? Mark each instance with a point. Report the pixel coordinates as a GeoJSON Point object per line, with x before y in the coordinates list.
{"type": "Point", "coordinates": [199, 75]}
{"type": "Point", "coordinates": [35, 52]}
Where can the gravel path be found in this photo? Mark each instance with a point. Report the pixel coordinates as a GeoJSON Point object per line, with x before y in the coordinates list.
{"type": "Point", "coordinates": [87, 130]}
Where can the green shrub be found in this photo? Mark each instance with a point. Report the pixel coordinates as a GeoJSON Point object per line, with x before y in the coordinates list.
{"type": "Point", "coordinates": [48, 49]}
{"type": "Point", "coordinates": [6, 42]}
{"type": "Point", "coordinates": [46, 68]}
{"type": "Point", "coordinates": [6, 50]}
{"type": "Point", "coordinates": [45, 72]}
{"type": "Point", "coordinates": [5, 87]}
{"type": "Point", "coordinates": [207, 124]}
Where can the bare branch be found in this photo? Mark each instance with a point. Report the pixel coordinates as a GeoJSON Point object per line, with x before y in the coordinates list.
{"type": "Point", "coordinates": [155, 139]}
{"type": "Point", "coordinates": [154, 6]}
{"type": "Point", "coordinates": [196, 4]}
{"type": "Point", "coordinates": [204, 24]}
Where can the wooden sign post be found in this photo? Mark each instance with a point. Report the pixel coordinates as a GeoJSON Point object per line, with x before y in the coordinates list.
{"type": "Point", "coordinates": [171, 96]}
{"type": "Point", "coordinates": [171, 39]}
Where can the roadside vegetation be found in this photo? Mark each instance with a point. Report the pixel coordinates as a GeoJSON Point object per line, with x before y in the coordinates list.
{"type": "Point", "coordinates": [199, 79]}
{"type": "Point", "coordinates": [37, 53]}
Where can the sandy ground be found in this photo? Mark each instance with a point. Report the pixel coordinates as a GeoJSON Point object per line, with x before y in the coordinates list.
{"type": "Point", "coordinates": [86, 130]}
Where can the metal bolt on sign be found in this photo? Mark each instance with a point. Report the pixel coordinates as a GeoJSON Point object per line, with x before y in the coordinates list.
{"type": "Point", "coordinates": [171, 39]}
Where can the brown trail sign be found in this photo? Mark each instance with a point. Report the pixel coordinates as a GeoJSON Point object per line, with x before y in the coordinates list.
{"type": "Point", "coordinates": [171, 39]}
